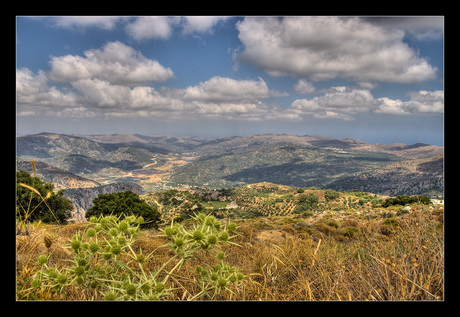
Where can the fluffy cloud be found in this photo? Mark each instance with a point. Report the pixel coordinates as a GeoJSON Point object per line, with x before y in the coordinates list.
{"type": "Point", "coordinates": [323, 48]}
{"type": "Point", "coordinates": [85, 92]}
{"type": "Point", "coordinates": [224, 89]}
{"type": "Point", "coordinates": [425, 27]}
{"type": "Point", "coordinates": [201, 24]}
{"type": "Point", "coordinates": [337, 102]}
{"type": "Point", "coordinates": [232, 110]}
{"type": "Point", "coordinates": [34, 89]}
{"type": "Point", "coordinates": [420, 102]}
{"type": "Point", "coordinates": [162, 27]}
{"type": "Point", "coordinates": [143, 27]}
{"type": "Point", "coordinates": [152, 27]}
{"type": "Point", "coordinates": [345, 102]}
{"type": "Point", "coordinates": [112, 77]}
{"type": "Point", "coordinates": [304, 87]}
{"type": "Point", "coordinates": [102, 95]}
{"type": "Point", "coordinates": [115, 62]}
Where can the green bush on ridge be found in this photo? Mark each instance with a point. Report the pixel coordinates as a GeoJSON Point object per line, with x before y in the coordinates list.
{"type": "Point", "coordinates": [125, 202]}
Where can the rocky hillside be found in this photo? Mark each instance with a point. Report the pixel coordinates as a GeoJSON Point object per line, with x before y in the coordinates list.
{"type": "Point", "coordinates": [60, 178]}
{"type": "Point", "coordinates": [82, 198]}
{"type": "Point", "coordinates": [166, 162]}
{"type": "Point", "coordinates": [419, 176]}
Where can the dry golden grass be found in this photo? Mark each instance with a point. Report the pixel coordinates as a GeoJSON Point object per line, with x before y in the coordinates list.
{"type": "Point", "coordinates": [406, 264]}
{"type": "Point", "coordinates": [382, 260]}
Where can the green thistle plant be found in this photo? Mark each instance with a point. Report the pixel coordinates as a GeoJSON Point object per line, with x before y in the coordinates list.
{"type": "Point", "coordinates": [140, 258]}
{"type": "Point", "coordinates": [79, 270]}
{"type": "Point", "coordinates": [36, 283]}
{"type": "Point", "coordinates": [222, 283]}
{"type": "Point", "coordinates": [61, 279]}
{"type": "Point", "coordinates": [232, 227]}
{"type": "Point", "coordinates": [42, 259]}
{"type": "Point", "coordinates": [113, 232]}
{"type": "Point", "coordinates": [110, 296]}
{"type": "Point", "coordinates": [224, 236]}
{"type": "Point", "coordinates": [130, 289]}
{"type": "Point", "coordinates": [159, 287]}
{"type": "Point", "coordinates": [179, 242]}
{"type": "Point", "coordinates": [212, 239]}
{"type": "Point", "coordinates": [123, 226]}
{"type": "Point", "coordinates": [91, 232]}
{"type": "Point", "coordinates": [75, 244]}
{"type": "Point", "coordinates": [116, 249]}
{"type": "Point", "coordinates": [221, 255]}
{"type": "Point", "coordinates": [105, 264]}
{"type": "Point", "coordinates": [198, 235]}
{"type": "Point", "coordinates": [201, 217]}
{"type": "Point", "coordinates": [170, 231]}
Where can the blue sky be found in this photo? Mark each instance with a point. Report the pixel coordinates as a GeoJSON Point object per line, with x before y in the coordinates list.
{"type": "Point", "coordinates": [378, 79]}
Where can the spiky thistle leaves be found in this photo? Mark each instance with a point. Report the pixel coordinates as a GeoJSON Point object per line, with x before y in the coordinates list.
{"type": "Point", "coordinates": [107, 264]}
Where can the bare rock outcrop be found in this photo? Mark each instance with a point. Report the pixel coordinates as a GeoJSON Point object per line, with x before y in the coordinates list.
{"type": "Point", "coordinates": [82, 198]}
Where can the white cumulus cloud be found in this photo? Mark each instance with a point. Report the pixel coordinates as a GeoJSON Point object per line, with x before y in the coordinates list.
{"type": "Point", "coordinates": [337, 102]}
{"type": "Point", "coordinates": [114, 62]}
{"type": "Point", "coordinates": [140, 28]}
{"type": "Point", "coordinates": [152, 27]}
{"type": "Point", "coordinates": [345, 102]}
{"type": "Point", "coordinates": [227, 89]}
{"type": "Point", "coordinates": [304, 87]}
{"type": "Point", "coordinates": [34, 89]}
{"type": "Point", "coordinates": [162, 27]}
{"type": "Point", "coordinates": [323, 48]}
{"type": "Point", "coordinates": [420, 102]}
{"type": "Point", "coordinates": [201, 24]}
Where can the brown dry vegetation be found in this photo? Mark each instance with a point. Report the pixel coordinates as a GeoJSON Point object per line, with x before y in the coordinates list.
{"type": "Point", "coordinates": [327, 257]}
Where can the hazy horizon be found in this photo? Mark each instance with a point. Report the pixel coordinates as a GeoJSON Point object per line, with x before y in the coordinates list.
{"type": "Point", "coordinates": [210, 137]}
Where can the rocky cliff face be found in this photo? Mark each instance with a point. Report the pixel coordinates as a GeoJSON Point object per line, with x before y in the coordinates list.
{"type": "Point", "coordinates": [82, 198]}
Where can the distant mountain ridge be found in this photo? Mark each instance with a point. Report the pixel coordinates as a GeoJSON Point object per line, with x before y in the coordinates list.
{"type": "Point", "coordinates": [60, 178]}
{"type": "Point", "coordinates": [162, 162]}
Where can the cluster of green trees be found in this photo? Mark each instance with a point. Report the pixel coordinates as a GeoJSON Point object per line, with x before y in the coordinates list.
{"type": "Point", "coordinates": [36, 200]}
{"type": "Point", "coordinates": [306, 202]}
{"type": "Point", "coordinates": [331, 194]}
{"type": "Point", "coordinates": [124, 203]}
{"type": "Point", "coordinates": [43, 203]}
{"type": "Point", "coordinates": [406, 200]}
{"type": "Point", "coordinates": [310, 201]}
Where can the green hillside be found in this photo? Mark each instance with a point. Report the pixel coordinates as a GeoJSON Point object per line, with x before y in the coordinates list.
{"type": "Point", "coordinates": [260, 200]}
{"type": "Point", "coordinates": [283, 163]}
{"type": "Point", "coordinates": [158, 163]}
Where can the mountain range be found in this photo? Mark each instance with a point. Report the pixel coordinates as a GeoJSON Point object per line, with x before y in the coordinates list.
{"type": "Point", "coordinates": [164, 162]}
